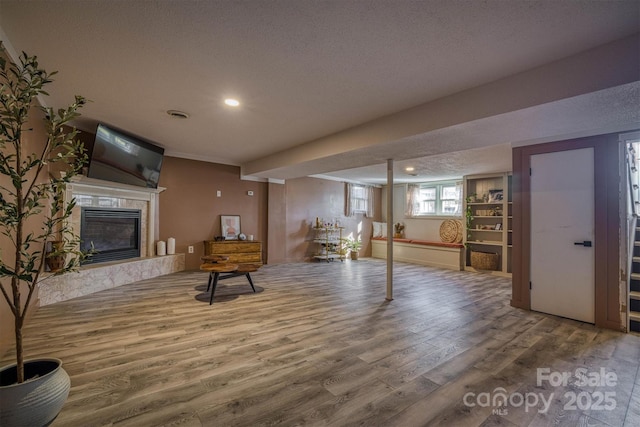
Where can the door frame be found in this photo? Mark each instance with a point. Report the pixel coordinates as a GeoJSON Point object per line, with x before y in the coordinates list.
{"type": "Point", "coordinates": [607, 223]}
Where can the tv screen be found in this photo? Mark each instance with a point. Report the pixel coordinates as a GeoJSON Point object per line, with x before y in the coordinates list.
{"type": "Point", "coordinates": [123, 158]}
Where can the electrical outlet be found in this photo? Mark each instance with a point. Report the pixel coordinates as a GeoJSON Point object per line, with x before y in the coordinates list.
{"type": "Point", "coordinates": [190, 248]}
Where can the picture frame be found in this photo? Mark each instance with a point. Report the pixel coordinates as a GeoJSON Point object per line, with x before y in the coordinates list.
{"type": "Point", "coordinates": [230, 226]}
{"type": "Point", "coordinates": [496, 196]}
{"type": "Point", "coordinates": [498, 226]}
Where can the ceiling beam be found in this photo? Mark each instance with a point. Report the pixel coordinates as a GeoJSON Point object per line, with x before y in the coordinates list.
{"type": "Point", "coordinates": [611, 65]}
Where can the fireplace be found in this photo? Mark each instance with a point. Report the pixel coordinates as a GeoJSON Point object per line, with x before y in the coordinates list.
{"type": "Point", "coordinates": [114, 233]}
{"type": "Point", "coordinates": [131, 214]}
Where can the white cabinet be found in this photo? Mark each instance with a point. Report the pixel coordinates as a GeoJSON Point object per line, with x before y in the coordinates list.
{"type": "Point", "coordinates": [488, 225]}
{"type": "Point", "coordinates": [328, 241]}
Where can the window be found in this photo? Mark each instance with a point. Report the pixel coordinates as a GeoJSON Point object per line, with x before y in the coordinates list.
{"type": "Point", "coordinates": [450, 199]}
{"type": "Point", "coordinates": [359, 199]}
{"type": "Point", "coordinates": [428, 200]}
{"type": "Point", "coordinates": [434, 199]}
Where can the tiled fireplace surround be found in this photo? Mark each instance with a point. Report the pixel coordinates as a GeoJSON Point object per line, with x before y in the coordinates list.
{"type": "Point", "coordinates": [95, 278]}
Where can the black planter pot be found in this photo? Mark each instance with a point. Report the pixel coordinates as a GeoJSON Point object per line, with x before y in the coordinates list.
{"type": "Point", "coordinates": [37, 401]}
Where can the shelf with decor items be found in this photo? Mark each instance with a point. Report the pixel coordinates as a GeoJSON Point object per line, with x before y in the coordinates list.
{"type": "Point", "coordinates": [329, 243]}
{"type": "Point", "coordinates": [487, 233]}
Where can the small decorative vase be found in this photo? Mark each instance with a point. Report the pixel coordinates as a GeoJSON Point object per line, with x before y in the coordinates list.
{"type": "Point", "coordinates": [55, 262]}
{"type": "Point", "coordinates": [35, 402]}
{"type": "Point", "coordinates": [397, 235]}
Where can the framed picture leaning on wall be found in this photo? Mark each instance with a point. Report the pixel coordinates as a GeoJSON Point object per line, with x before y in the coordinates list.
{"type": "Point", "coordinates": [495, 196]}
{"type": "Point", "coordinates": [230, 226]}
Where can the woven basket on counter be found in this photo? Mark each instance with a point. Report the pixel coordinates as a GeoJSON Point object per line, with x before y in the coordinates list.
{"type": "Point", "coordinates": [485, 260]}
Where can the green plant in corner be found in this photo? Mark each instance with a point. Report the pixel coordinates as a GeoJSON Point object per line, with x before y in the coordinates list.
{"type": "Point", "coordinates": [33, 211]}
{"type": "Point", "coordinates": [352, 244]}
{"type": "Point", "coordinates": [469, 214]}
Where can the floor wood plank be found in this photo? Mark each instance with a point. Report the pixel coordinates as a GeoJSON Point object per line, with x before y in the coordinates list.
{"type": "Point", "coordinates": [318, 345]}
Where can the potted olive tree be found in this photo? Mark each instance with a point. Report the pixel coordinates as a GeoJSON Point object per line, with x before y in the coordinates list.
{"type": "Point", "coordinates": [33, 213]}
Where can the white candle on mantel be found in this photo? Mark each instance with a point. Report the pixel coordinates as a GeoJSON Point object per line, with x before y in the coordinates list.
{"type": "Point", "coordinates": [161, 248]}
{"type": "Point", "coordinates": [171, 246]}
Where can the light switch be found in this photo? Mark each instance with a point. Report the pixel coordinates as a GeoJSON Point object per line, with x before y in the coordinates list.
{"type": "Point", "coordinates": [219, 193]}
{"type": "Point", "coordinates": [249, 193]}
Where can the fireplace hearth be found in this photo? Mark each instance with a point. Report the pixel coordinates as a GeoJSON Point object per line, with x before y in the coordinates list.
{"type": "Point", "coordinates": [114, 234]}
{"type": "Point", "coordinates": [131, 251]}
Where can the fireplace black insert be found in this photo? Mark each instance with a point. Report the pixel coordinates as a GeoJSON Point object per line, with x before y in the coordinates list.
{"type": "Point", "coordinates": [114, 233]}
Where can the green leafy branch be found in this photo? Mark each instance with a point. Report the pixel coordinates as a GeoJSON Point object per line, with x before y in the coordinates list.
{"type": "Point", "coordinates": [28, 193]}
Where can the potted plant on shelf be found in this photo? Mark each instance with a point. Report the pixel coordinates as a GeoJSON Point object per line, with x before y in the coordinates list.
{"type": "Point", "coordinates": [33, 214]}
{"type": "Point", "coordinates": [398, 230]}
{"type": "Point", "coordinates": [353, 246]}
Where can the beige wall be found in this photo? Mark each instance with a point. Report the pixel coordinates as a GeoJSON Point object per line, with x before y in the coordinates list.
{"type": "Point", "coordinates": [308, 198]}
{"type": "Point", "coordinates": [276, 248]}
{"type": "Point", "coordinates": [190, 210]}
{"type": "Point", "coordinates": [280, 215]}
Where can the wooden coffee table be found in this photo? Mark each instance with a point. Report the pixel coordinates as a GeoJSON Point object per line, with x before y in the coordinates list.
{"type": "Point", "coordinates": [217, 269]}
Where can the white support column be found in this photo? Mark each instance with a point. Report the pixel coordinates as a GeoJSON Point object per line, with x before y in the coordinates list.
{"type": "Point", "coordinates": [389, 230]}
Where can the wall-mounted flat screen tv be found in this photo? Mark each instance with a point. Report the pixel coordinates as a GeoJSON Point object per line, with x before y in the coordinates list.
{"type": "Point", "coordinates": [119, 157]}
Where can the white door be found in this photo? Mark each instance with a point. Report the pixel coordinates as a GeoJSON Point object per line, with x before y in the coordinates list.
{"type": "Point", "coordinates": [562, 234]}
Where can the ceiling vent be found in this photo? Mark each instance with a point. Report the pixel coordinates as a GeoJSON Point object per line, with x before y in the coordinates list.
{"type": "Point", "coordinates": [178, 114]}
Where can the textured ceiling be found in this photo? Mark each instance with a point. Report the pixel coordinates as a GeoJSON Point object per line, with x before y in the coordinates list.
{"type": "Point", "coordinates": [439, 167]}
{"type": "Point", "coordinates": [302, 69]}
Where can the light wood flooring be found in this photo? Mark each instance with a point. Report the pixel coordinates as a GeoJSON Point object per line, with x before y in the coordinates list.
{"type": "Point", "coordinates": [318, 345]}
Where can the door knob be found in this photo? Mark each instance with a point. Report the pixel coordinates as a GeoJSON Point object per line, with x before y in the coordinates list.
{"type": "Point", "coordinates": [585, 243]}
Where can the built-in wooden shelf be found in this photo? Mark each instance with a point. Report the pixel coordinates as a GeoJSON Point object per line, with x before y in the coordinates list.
{"type": "Point", "coordinates": [488, 243]}
{"type": "Point", "coordinates": [484, 187]}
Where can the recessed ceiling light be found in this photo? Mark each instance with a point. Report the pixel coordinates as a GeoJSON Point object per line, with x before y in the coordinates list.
{"type": "Point", "coordinates": [178, 114]}
{"type": "Point", "coordinates": [232, 102]}
{"type": "Point", "coordinates": [409, 169]}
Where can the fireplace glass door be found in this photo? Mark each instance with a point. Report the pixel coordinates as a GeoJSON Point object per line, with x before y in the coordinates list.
{"type": "Point", "coordinates": [113, 233]}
